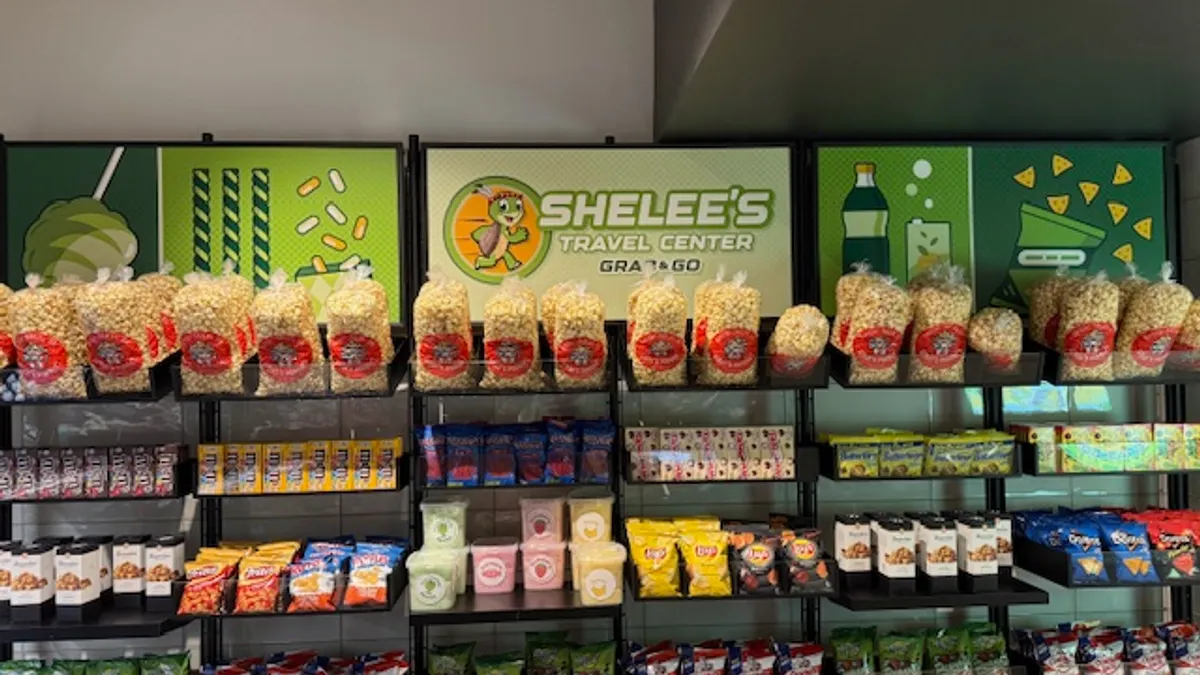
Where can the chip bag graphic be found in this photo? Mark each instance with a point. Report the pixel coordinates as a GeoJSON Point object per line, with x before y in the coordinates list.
{"type": "Point", "coordinates": [321, 279]}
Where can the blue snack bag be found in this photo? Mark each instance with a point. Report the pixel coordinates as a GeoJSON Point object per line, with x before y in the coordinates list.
{"type": "Point", "coordinates": [530, 445]}
{"type": "Point", "coordinates": [562, 440]}
{"type": "Point", "coordinates": [464, 443]}
{"type": "Point", "coordinates": [499, 457]}
{"type": "Point", "coordinates": [1129, 542]}
{"type": "Point", "coordinates": [433, 450]}
{"type": "Point", "coordinates": [596, 446]}
{"type": "Point", "coordinates": [1081, 540]}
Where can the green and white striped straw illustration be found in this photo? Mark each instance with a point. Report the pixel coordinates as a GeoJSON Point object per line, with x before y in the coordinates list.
{"type": "Point", "coordinates": [201, 223]}
{"type": "Point", "coordinates": [231, 217]}
{"type": "Point", "coordinates": [261, 212]}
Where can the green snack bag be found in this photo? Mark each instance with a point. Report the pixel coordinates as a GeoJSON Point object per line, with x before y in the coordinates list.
{"type": "Point", "coordinates": [547, 653]}
{"type": "Point", "coordinates": [901, 653]}
{"type": "Point", "coordinates": [65, 667]}
{"type": "Point", "coordinates": [854, 650]}
{"type": "Point", "coordinates": [166, 664]}
{"type": "Point", "coordinates": [988, 652]}
{"type": "Point", "coordinates": [594, 659]}
{"type": "Point", "coordinates": [113, 667]}
{"type": "Point", "coordinates": [20, 667]}
{"type": "Point", "coordinates": [510, 663]}
{"type": "Point", "coordinates": [949, 650]}
{"type": "Point", "coordinates": [452, 660]}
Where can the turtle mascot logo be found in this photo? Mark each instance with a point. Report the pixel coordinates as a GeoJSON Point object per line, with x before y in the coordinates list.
{"type": "Point", "coordinates": [491, 229]}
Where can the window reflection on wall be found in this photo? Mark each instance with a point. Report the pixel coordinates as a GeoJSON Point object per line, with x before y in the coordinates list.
{"type": "Point", "coordinates": [1046, 399]}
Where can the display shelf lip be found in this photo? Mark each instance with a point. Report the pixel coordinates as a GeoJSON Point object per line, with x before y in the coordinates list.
{"type": "Point", "coordinates": [112, 623]}
{"type": "Point", "coordinates": [1054, 566]}
{"type": "Point", "coordinates": [1009, 592]}
{"type": "Point", "coordinates": [1170, 375]}
{"type": "Point", "coordinates": [403, 480]}
{"type": "Point", "coordinates": [546, 605]}
{"type": "Point", "coordinates": [828, 470]}
{"type": "Point", "coordinates": [159, 376]}
{"type": "Point", "coordinates": [1031, 371]}
{"type": "Point", "coordinates": [1028, 452]}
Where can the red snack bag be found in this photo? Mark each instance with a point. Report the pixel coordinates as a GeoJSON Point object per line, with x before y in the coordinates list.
{"type": "Point", "coordinates": [204, 592]}
{"type": "Point", "coordinates": [312, 585]}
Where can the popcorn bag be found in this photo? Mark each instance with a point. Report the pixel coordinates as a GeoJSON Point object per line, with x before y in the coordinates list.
{"type": "Point", "coordinates": [658, 326]}
{"type": "Point", "coordinates": [848, 288]}
{"type": "Point", "coordinates": [1128, 286]}
{"type": "Point", "coordinates": [241, 291]}
{"type": "Point", "coordinates": [117, 320]}
{"type": "Point", "coordinates": [45, 333]}
{"type": "Point", "coordinates": [941, 310]}
{"type": "Point", "coordinates": [1088, 328]}
{"type": "Point", "coordinates": [646, 281]}
{"type": "Point", "coordinates": [442, 331]}
{"type": "Point", "coordinates": [700, 311]}
{"type": "Point", "coordinates": [731, 355]}
{"type": "Point", "coordinates": [162, 289]}
{"type": "Point", "coordinates": [210, 318]}
{"type": "Point", "coordinates": [73, 287]}
{"type": "Point", "coordinates": [511, 352]}
{"type": "Point", "coordinates": [360, 336]}
{"type": "Point", "coordinates": [1149, 326]}
{"type": "Point", "coordinates": [8, 355]}
{"type": "Point", "coordinates": [581, 347]}
{"type": "Point", "coordinates": [880, 316]}
{"type": "Point", "coordinates": [1043, 308]}
{"type": "Point", "coordinates": [996, 334]}
{"type": "Point", "coordinates": [1185, 351]}
{"type": "Point", "coordinates": [798, 341]}
{"type": "Point", "coordinates": [549, 308]}
{"type": "Point", "coordinates": [291, 360]}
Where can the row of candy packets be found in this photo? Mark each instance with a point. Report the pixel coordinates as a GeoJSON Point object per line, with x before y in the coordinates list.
{"type": "Point", "coordinates": [89, 473]}
{"type": "Point", "coordinates": [893, 453]}
{"type": "Point", "coordinates": [711, 453]}
{"type": "Point", "coordinates": [1088, 647]}
{"type": "Point", "coordinates": [557, 451]}
{"type": "Point", "coordinates": [151, 664]}
{"type": "Point", "coordinates": [315, 466]}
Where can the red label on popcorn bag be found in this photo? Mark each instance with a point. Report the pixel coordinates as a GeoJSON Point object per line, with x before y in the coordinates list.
{"type": "Point", "coordinates": [1089, 344]}
{"type": "Point", "coordinates": [444, 354]}
{"type": "Point", "coordinates": [1151, 348]}
{"type": "Point", "coordinates": [734, 350]}
{"type": "Point", "coordinates": [41, 357]}
{"type": "Point", "coordinates": [170, 334]}
{"type": "Point", "coordinates": [6, 348]}
{"type": "Point", "coordinates": [508, 357]}
{"type": "Point", "coordinates": [285, 358]}
{"type": "Point", "coordinates": [152, 344]}
{"type": "Point", "coordinates": [790, 365]}
{"type": "Point", "coordinates": [355, 356]}
{"type": "Point", "coordinates": [877, 348]}
{"type": "Point", "coordinates": [250, 328]}
{"type": "Point", "coordinates": [941, 346]}
{"type": "Point", "coordinates": [114, 354]}
{"type": "Point", "coordinates": [701, 336]}
{"type": "Point", "coordinates": [206, 353]}
{"type": "Point", "coordinates": [660, 351]}
{"type": "Point", "coordinates": [579, 357]}
{"type": "Point", "coordinates": [243, 344]}
{"type": "Point", "coordinates": [1050, 335]}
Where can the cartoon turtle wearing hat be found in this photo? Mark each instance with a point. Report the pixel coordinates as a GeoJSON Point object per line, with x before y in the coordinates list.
{"type": "Point", "coordinates": [506, 210]}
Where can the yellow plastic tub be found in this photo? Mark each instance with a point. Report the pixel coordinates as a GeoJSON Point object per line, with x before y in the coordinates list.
{"type": "Point", "coordinates": [602, 572]}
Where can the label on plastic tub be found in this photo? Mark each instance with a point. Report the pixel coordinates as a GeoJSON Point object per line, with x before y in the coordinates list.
{"type": "Point", "coordinates": [590, 527]}
{"type": "Point", "coordinates": [1151, 348]}
{"type": "Point", "coordinates": [659, 351]}
{"type": "Point", "coordinates": [491, 572]}
{"type": "Point", "coordinates": [40, 356]}
{"type": "Point", "coordinates": [508, 357]}
{"type": "Point", "coordinates": [734, 350]}
{"type": "Point", "coordinates": [431, 589]}
{"type": "Point", "coordinates": [600, 584]}
{"type": "Point", "coordinates": [540, 568]}
{"type": "Point", "coordinates": [941, 346]}
{"type": "Point", "coordinates": [114, 354]}
{"type": "Point", "coordinates": [285, 358]}
{"type": "Point", "coordinates": [444, 530]}
{"type": "Point", "coordinates": [206, 353]}
{"type": "Point", "coordinates": [354, 356]}
{"type": "Point", "coordinates": [877, 347]}
{"type": "Point", "coordinates": [1089, 344]}
{"type": "Point", "coordinates": [444, 355]}
{"type": "Point", "coordinates": [579, 358]}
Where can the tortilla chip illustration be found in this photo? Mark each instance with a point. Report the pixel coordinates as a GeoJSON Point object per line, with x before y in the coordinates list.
{"type": "Point", "coordinates": [1144, 228]}
{"type": "Point", "coordinates": [1059, 203]}
{"type": "Point", "coordinates": [1124, 253]}
{"type": "Point", "coordinates": [1028, 177]}
{"type": "Point", "coordinates": [1121, 175]}
{"type": "Point", "coordinates": [1089, 190]}
{"type": "Point", "coordinates": [1061, 165]}
{"type": "Point", "coordinates": [1117, 210]}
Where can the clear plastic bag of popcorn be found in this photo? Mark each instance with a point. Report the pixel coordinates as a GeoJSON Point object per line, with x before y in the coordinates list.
{"type": "Point", "coordinates": [881, 314]}
{"type": "Point", "coordinates": [116, 315]}
{"type": "Point", "coordinates": [997, 334]}
{"type": "Point", "coordinates": [73, 286]}
{"type": "Point", "coordinates": [45, 327]}
{"type": "Point", "coordinates": [290, 357]}
{"type": "Point", "coordinates": [442, 333]}
{"type": "Point", "coordinates": [941, 310]}
{"type": "Point", "coordinates": [1149, 326]}
{"type": "Point", "coordinates": [700, 310]}
{"type": "Point", "coordinates": [731, 356]}
{"type": "Point", "coordinates": [1044, 298]}
{"type": "Point", "coordinates": [647, 281]}
{"type": "Point", "coordinates": [8, 356]}
{"type": "Point", "coordinates": [849, 286]}
{"type": "Point", "coordinates": [1088, 328]}
{"type": "Point", "coordinates": [658, 350]}
{"type": "Point", "coordinates": [511, 350]}
{"type": "Point", "coordinates": [242, 292]}
{"type": "Point", "coordinates": [211, 323]}
{"type": "Point", "coordinates": [1185, 352]}
{"type": "Point", "coordinates": [1129, 285]}
{"type": "Point", "coordinates": [360, 336]}
{"type": "Point", "coordinates": [581, 346]}
{"type": "Point", "coordinates": [549, 307]}
{"type": "Point", "coordinates": [798, 341]}
{"type": "Point", "coordinates": [163, 287]}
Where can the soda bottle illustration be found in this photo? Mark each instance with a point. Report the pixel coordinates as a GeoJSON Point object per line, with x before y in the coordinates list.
{"type": "Point", "coordinates": [865, 215]}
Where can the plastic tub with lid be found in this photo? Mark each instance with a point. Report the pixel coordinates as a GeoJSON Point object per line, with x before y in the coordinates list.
{"type": "Point", "coordinates": [461, 567]}
{"type": "Point", "coordinates": [495, 561]}
{"type": "Point", "coordinates": [591, 515]}
{"type": "Point", "coordinates": [432, 575]}
{"type": "Point", "coordinates": [542, 519]}
{"type": "Point", "coordinates": [602, 571]}
{"type": "Point", "coordinates": [445, 522]}
{"type": "Point", "coordinates": [542, 562]}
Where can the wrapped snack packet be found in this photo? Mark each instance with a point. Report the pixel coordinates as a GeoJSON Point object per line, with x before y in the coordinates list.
{"type": "Point", "coordinates": [1043, 308]}
{"type": "Point", "coordinates": [941, 310]}
{"type": "Point", "coordinates": [211, 337]}
{"type": "Point", "coordinates": [700, 310]}
{"type": "Point", "coordinates": [360, 335]}
{"type": "Point", "coordinates": [581, 348]}
{"type": "Point", "coordinates": [442, 332]}
{"type": "Point", "coordinates": [659, 324]}
{"type": "Point", "coordinates": [163, 287]}
{"type": "Point", "coordinates": [512, 353]}
{"type": "Point", "coordinates": [1087, 329]}
{"type": "Point", "coordinates": [848, 287]}
{"type": "Point", "coordinates": [45, 326]}
{"type": "Point", "coordinates": [549, 307]}
{"type": "Point", "coordinates": [1185, 352]}
{"type": "Point", "coordinates": [880, 316]}
{"type": "Point", "coordinates": [289, 344]}
{"type": "Point", "coordinates": [1129, 286]}
{"type": "Point", "coordinates": [1149, 326]}
{"type": "Point", "coordinates": [8, 356]}
{"type": "Point", "coordinates": [119, 328]}
{"type": "Point", "coordinates": [996, 333]}
{"type": "Point", "coordinates": [731, 355]}
{"type": "Point", "coordinates": [798, 341]}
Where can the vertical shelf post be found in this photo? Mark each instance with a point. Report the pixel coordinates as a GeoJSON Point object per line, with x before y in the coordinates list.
{"type": "Point", "coordinates": [994, 490]}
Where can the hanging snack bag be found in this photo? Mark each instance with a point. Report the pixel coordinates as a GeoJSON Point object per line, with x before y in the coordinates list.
{"type": "Point", "coordinates": [706, 561]}
{"type": "Point", "coordinates": [848, 288]}
{"type": "Point", "coordinates": [941, 311]}
{"type": "Point", "coordinates": [211, 337]}
{"type": "Point", "coordinates": [657, 349]}
{"type": "Point", "coordinates": [549, 307]}
{"type": "Point", "coordinates": [1043, 308]}
{"type": "Point", "coordinates": [162, 287]}
{"type": "Point", "coordinates": [1185, 352]}
{"type": "Point", "coordinates": [1149, 326]}
{"type": "Point", "coordinates": [1131, 284]}
{"type": "Point", "coordinates": [119, 331]}
{"type": "Point", "coordinates": [510, 339]}
{"type": "Point", "coordinates": [8, 355]}
{"type": "Point", "coordinates": [700, 309]}
{"type": "Point", "coordinates": [646, 281]}
{"type": "Point", "coordinates": [798, 341]}
{"type": "Point", "coordinates": [312, 585]}
{"type": "Point", "coordinates": [360, 335]}
{"type": "Point", "coordinates": [289, 344]}
{"type": "Point", "coordinates": [996, 334]}
{"type": "Point", "coordinates": [731, 356]}
{"type": "Point", "coordinates": [881, 314]}
{"type": "Point", "coordinates": [45, 327]}
{"type": "Point", "coordinates": [755, 549]}
{"type": "Point", "coordinates": [1087, 330]}
{"type": "Point", "coordinates": [580, 346]}
{"type": "Point", "coordinates": [442, 332]}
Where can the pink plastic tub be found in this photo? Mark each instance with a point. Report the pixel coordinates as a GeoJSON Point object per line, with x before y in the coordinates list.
{"type": "Point", "coordinates": [542, 519]}
{"type": "Point", "coordinates": [495, 564]}
{"type": "Point", "coordinates": [543, 565]}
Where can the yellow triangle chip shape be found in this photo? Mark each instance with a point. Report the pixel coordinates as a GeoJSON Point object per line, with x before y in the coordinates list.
{"type": "Point", "coordinates": [1124, 253]}
{"type": "Point", "coordinates": [1059, 203]}
{"type": "Point", "coordinates": [1060, 165]}
{"type": "Point", "coordinates": [1089, 190]}
{"type": "Point", "coordinates": [1144, 228]}
{"type": "Point", "coordinates": [1121, 175]}
{"type": "Point", "coordinates": [1117, 210]}
{"type": "Point", "coordinates": [1028, 177]}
